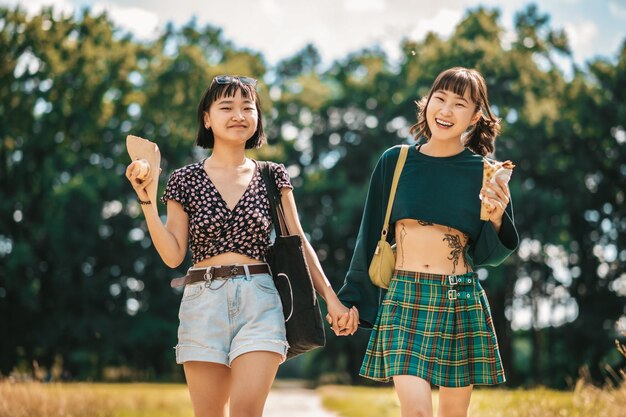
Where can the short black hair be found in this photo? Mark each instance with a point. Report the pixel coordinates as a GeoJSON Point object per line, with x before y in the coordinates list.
{"type": "Point", "coordinates": [214, 92]}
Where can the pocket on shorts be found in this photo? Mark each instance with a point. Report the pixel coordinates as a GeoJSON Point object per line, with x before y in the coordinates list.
{"type": "Point", "coordinates": [265, 283]}
{"type": "Point", "coordinates": [192, 291]}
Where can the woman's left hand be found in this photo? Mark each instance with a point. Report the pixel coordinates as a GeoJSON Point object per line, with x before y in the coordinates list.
{"type": "Point", "coordinates": [344, 321]}
{"type": "Point", "coordinates": [498, 196]}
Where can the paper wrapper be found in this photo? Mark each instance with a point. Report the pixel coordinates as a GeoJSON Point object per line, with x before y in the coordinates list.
{"type": "Point", "coordinates": [142, 149]}
{"type": "Point", "coordinates": [491, 171]}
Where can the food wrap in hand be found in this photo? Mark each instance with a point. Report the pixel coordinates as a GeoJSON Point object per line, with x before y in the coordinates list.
{"type": "Point", "coordinates": [148, 154]}
{"type": "Point", "coordinates": [491, 171]}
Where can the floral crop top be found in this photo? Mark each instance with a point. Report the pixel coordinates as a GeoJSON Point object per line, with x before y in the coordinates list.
{"type": "Point", "coordinates": [213, 227]}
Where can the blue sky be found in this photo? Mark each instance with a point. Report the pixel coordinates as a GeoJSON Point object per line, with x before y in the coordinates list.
{"type": "Point", "coordinates": [278, 28]}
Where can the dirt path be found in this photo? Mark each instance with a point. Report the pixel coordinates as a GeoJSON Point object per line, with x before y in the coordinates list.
{"type": "Point", "coordinates": [295, 402]}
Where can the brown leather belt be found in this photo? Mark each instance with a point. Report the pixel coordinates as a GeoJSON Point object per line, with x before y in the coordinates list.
{"type": "Point", "coordinates": [210, 273]}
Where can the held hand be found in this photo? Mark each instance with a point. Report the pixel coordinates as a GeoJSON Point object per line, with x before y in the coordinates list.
{"type": "Point", "coordinates": [343, 321]}
{"type": "Point", "coordinates": [337, 316]}
{"type": "Point", "coordinates": [498, 196]}
{"type": "Point", "coordinates": [344, 324]}
{"type": "Point", "coordinates": [132, 173]}
{"type": "Point", "coordinates": [351, 322]}
{"type": "Point", "coordinates": [354, 312]}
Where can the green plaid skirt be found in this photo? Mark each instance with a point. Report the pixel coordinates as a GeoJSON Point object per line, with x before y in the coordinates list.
{"type": "Point", "coordinates": [436, 327]}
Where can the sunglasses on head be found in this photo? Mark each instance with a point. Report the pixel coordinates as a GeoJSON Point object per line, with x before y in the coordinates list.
{"type": "Point", "coordinates": [229, 79]}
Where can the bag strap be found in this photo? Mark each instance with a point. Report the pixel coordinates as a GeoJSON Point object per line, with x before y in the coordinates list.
{"type": "Point", "coordinates": [273, 195]}
{"type": "Point", "coordinates": [404, 150]}
{"type": "Point", "coordinates": [280, 225]}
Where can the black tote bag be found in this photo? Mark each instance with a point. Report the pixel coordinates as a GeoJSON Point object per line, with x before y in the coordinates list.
{"type": "Point", "coordinates": [303, 318]}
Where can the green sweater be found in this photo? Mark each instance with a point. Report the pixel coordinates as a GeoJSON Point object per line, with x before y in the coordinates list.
{"type": "Point", "coordinates": [440, 190]}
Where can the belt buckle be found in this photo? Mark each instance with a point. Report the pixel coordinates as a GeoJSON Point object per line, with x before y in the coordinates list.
{"type": "Point", "coordinates": [452, 279]}
{"type": "Point", "coordinates": [208, 277]}
{"type": "Point", "coordinates": [451, 294]}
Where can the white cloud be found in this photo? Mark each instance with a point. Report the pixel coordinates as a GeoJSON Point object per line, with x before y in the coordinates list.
{"type": "Point", "coordinates": [142, 23]}
{"type": "Point", "coordinates": [364, 5]}
{"type": "Point", "coordinates": [272, 8]}
{"type": "Point", "coordinates": [618, 8]}
{"type": "Point", "coordinates": [443, 23]}
{"type": "Point", "coordinates": [33, 7]}
{"type": "Point", "coordinates": [279, 28]}
{"type": "Point", "coordinates": [582, 38]}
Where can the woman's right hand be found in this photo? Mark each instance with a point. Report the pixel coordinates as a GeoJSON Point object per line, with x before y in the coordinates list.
{"type": "Point", "coordinates": [342, 320]}
{"type": "Point", "coordinates": [139, 185]}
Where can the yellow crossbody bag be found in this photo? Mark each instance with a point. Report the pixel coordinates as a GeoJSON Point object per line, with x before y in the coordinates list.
{"type": "Point", "coordinates": [384, 260]}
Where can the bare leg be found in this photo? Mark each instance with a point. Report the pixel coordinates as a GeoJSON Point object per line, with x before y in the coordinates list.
{"type": "Point", "coordinates": [252, 377]}
{"type": "Point", "coordinates": [209, 386]}
{"type": "Point", "coordinates": [454, 402]}
{"type": "Point", "coordinates": [415, 396]}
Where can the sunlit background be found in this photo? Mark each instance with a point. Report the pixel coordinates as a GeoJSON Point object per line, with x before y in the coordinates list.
{"type": "Point", "coordinates": [82, 290]}
{"type": "Point", "coordinates": [280, 28]}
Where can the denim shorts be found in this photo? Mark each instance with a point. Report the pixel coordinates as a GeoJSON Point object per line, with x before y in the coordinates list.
{"type": "Point", "coordinates": [228, 318]}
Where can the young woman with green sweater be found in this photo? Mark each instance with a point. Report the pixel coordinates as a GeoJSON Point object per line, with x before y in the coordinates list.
{"type": "Point", "coordinates": [433, 325]}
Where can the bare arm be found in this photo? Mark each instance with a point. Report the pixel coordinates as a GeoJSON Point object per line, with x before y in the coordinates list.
{"type": "Point", "coordinates": [322, 285]}
{"type": "Point", "coordinates": [170, 239]}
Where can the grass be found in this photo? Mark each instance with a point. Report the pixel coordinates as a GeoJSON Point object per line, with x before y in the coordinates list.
{"type": "Point", "coordinates": [34, 399]}
{"type": "Point", "coordinates": [585, 401]}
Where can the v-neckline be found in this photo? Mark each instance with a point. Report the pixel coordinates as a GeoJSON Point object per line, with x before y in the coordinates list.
{"type": "Point", "coordinates": [219, 194]}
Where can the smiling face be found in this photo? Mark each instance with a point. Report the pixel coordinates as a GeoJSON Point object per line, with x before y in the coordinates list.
{"type": "Point", "coordinates": [229, 109]}
{"type": "Point", "coordinates": [456, 100]}
{"type": "Point", "coordinates": [233, 119]}
{"type": "Point", "coordinates": [448, 114]}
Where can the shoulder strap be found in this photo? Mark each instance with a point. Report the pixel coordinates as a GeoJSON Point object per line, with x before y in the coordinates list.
{"type": "Point", "coordinates": [273, 196]}
{"type": "Point", "coordinates": [404, 150]}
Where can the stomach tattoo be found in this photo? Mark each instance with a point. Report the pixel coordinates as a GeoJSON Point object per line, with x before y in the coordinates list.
{"type": "Point", "coordinates": [458, 250]}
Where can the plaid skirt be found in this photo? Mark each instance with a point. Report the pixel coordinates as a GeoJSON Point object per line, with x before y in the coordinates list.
{"type": "Point", "coordinates": [436, 327]}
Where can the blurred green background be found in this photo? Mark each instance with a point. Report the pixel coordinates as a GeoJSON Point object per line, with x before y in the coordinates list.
{"type": "Point", "coordinates": [84, 295]}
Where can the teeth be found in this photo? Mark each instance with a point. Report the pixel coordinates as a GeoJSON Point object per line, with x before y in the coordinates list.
{"type": "Point", "coordinates": [444, 123]}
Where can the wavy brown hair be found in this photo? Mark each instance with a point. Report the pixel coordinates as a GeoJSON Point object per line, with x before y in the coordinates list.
{"type": "Point", "coordinates": [480, 138]}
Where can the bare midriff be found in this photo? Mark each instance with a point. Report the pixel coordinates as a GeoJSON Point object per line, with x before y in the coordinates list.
{"type": "Point", "coordinates": [432, 248]}
{"type": "Point", "coordinates": [228, 258]}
